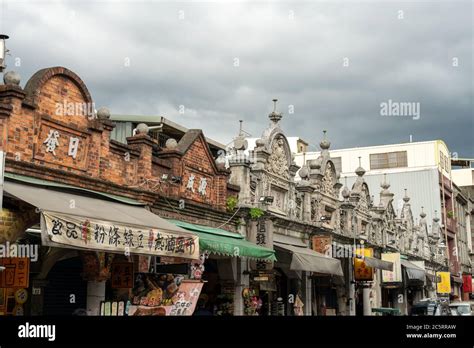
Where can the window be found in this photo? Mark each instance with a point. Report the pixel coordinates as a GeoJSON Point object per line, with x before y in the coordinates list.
{"type": "Point", "coordinates": [388, 160]}
{"type": "Point", "coordinates": [337, 164]}
{"type": "Point", "coordinates": [444, 162]}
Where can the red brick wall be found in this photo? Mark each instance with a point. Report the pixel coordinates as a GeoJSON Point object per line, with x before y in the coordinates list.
{"type": "Point", "coordinates": [14, 222]}
{"type": "Point", "coordinates": [50, 101]}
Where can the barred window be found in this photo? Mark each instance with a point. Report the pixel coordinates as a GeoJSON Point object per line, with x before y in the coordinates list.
{"type": "Point", "coordinates": [442, 160]}
{"type": "Point", "coordinates": [388, 160]}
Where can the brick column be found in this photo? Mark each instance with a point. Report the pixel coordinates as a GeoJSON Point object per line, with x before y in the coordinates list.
{"type": "Point", "coordinates": [11, 97]}
{"type": "Point", "coordinates": [144, 144]}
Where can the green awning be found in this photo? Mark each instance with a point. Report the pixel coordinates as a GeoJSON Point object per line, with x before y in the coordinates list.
{"type": "Point", "coordinates": [222, 242]}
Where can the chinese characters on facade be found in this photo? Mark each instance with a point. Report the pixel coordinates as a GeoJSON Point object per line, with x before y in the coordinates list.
{"type": "Point", "coordinates": [202, 185]}
{"type": "Point", "coordinates": [52, 142]}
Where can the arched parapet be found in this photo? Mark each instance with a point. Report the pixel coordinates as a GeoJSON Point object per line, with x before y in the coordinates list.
{"type": "Point", "coordinates": [35, 87]}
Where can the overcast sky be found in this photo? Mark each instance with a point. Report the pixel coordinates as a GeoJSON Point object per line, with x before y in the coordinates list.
{"type": "Point", "coordinates": [332, 62]}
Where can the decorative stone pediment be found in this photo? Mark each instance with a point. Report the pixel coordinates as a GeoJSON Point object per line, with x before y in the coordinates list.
{"type": "Point", "coordinates": [329, 180]}
{"type": "Point", "coordinates": [278, 162]}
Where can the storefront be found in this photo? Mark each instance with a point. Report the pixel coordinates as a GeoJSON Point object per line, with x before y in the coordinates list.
{"type": "Point", "coordinates": [367, 274]}
{"type": "Point", "coordinates": [220, 267]}
{"type": "Point", "coordinates": [393, 292]}
{"type": "Point", "coordinates": [306, 279]}
{"type": "Point", "coordinates": [104, 246]}
{"type": "Point", "coordinates": [414, 280]}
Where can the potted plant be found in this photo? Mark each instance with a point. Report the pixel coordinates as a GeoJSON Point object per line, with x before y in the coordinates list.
{"type": "Point", "coordinates": [256, 213]}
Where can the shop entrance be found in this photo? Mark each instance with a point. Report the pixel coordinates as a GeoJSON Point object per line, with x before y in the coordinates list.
{"type": "Point", "coordinates": [65, 291]}
{"type": "Point", "coordinates": [217, 295]}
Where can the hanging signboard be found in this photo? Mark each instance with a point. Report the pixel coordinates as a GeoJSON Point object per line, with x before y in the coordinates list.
{"type": "Point", "coordinates": [396, 275]}
{"type": "Point", "coordinates": [164, 294]}
{"type": "Point", "coordinates": [323, 245]}
{"type": "Point", "coordinates": [144, 264]}
{"type": "Point", "coordinates": [64, 230]}
{"type": "Point", "coordinates": [16, 273]}
{"type": "Point", "coordinates": [443, 285]}
{"type": "Point", "coordinates": [2, 176]}
{"type": "Point", "coordinates": [361, 271]}
{"type": "Point", "coordinates": [467, 283]}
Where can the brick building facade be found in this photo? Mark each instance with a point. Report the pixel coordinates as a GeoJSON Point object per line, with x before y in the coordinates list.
{"type": "Point", "coordinates": [53, 137]}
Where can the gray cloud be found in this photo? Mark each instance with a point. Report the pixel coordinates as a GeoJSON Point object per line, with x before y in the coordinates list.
{"type": "Point", "coordinates": [292, 51]}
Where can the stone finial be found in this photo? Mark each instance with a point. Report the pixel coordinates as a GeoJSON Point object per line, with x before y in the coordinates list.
{"type": "Point", "coordinates": [422, 214]}
{"type": "Point", "coordinates": [142, 128]}
{"type": "Point", "coordinates": [359, 170]}
{"type": "Point", "coordinates": [316, 163]}
{"type": "Point", "coordinates": [325, 144]}
{"type": "Point", "coordinates": [275, 116]}
{"type": "Point", "coordinates": [240, 143]}
{"type": "Point", "coordinates": [304, 171]}
{"type": "Point", "coordinates": [406, 199]}
{"type": "Point", "coordinates": [260, 142]}
{"type": "Point", "coordinates": [170, 143]}
{"type": "Point", "coordinates": [436, 218]}
{"type": "Point", "coordinates": [12, 78]}
{"type": "Point", "coordinates": [103, 113]}
{"type": "Point", "coordinates": [345, 191]}
{"type": "Point", "coordinates": [385, 184]}
{"type": "Point", "coordinates": [220, 160]}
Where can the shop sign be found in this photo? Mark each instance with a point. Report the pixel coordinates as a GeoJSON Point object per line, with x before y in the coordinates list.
{"type": "Point", "coordinates": [261, 239]}
{"type": "Point", "coordinates": [164, 294]}
{"type": "Point", "coordinates": [322, 245]}
{"type": "Point", "coordinates": [18, 310]}
{"type": "Point", "coordinates": [361, 271]}
{"type": "Point", "coordinates": [262, 276]}
{"type": "Point", "coordinates": [122, 275]}
{"type": "Point", "coordinates": [261, 279]}
{"type": "Point", "coordinates": [112, 308]}
{"type": "Point", "coordinates": [443, 282]}
{"type": "Point", "coordinates": [16, 273]}
{"type": "Point", "coordinates": [21, 295]}
{"type": "Point", "coordinates": [467, 283]}
{"type": "Point", "coordinates": [144, 264]}
{"type": "Point", "coordinates": [197, 269]}
{"type": "Point", "coordinates": [63, 230]}
{"type": "Point", "coordinates": [396, 275]}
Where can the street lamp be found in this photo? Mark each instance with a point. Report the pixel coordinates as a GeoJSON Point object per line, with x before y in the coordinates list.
{"type": "Point", "coordinates": [266, 199]}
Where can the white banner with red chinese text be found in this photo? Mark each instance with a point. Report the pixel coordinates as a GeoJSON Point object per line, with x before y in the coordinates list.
{"type": "Point", "coordinates": [70, 231]}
